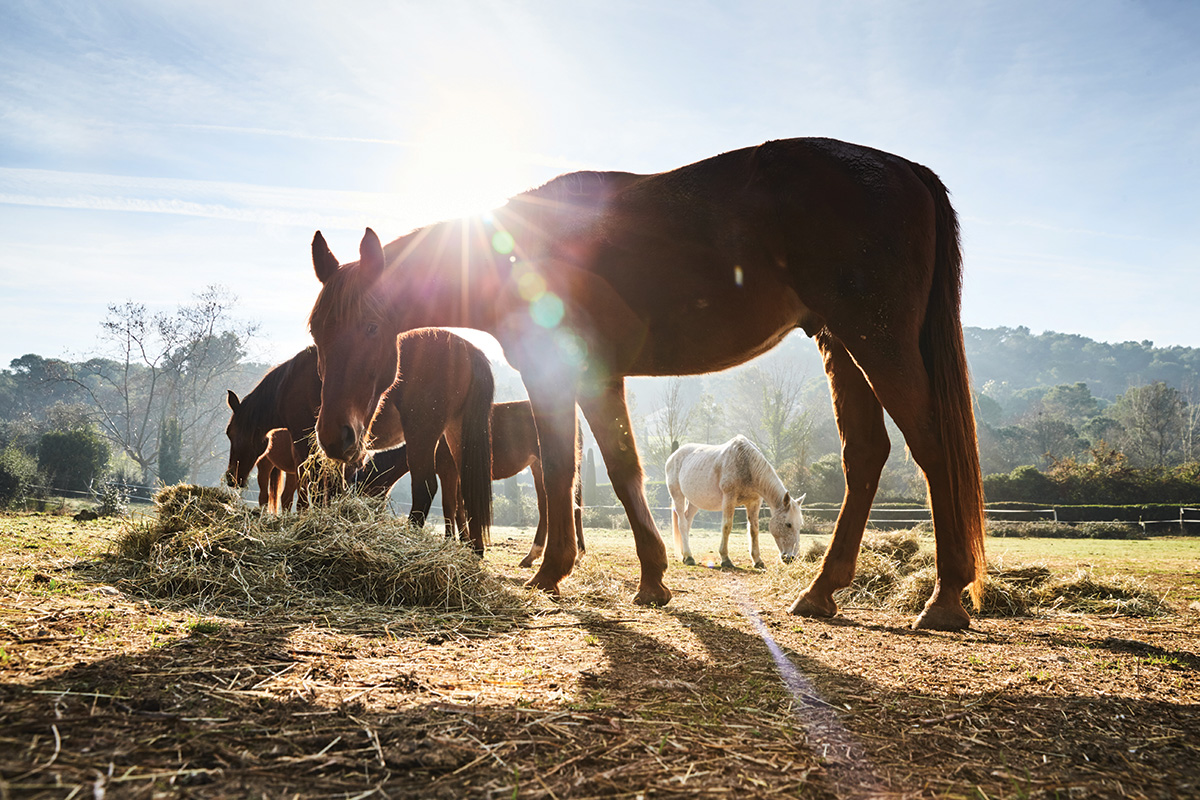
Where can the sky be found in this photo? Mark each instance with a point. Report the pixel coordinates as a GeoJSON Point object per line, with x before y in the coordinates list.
{"type": "Point", "coordinates": [149, 150]}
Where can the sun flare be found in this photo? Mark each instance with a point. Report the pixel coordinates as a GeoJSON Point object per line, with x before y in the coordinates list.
{"type": "Point", "coordinates": [469, 154]}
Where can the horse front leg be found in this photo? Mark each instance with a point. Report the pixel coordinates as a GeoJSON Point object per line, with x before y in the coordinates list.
{"type": "Point", "coordinates": [865, 448]}
{"type": "Point", "coordinates": [608, 417]}
{"type": "Point", "coordinates": [728, 507]}
{"type": "Point", "coordinates": [752, 508]}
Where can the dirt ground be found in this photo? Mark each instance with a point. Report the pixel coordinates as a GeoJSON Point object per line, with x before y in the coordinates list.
{"type": "Point", "coordinates": [719, 694]}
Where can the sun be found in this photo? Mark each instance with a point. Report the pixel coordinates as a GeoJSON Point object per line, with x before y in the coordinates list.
{"type": "Point", "coordinates": [469, 154]}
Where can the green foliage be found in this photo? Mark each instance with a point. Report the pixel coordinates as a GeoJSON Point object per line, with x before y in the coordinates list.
{"type": "Point", "coordinates": [171, 467]}
{"type": "Point", "coordinates": [1107, 479]}
{"type": "Point", "coordinates": [71, 460]}
{"type": "Point", "coordinates": [17, 473]}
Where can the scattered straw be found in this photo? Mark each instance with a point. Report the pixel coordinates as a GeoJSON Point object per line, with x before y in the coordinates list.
{"type": "Point", "coordinates": [896, 571]}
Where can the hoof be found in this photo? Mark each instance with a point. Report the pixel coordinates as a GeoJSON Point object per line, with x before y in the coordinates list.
{"type": "Point", "coordinates": [806, 606]}
{"type": "Point", "coordinates": [940, 618]}
{"type": "Point", "coordinates": [657, 596]}
{"type": "Point", "coordinates": [689, 561]}
{"type": "Point", "coordinates": [726, 564]}
{"type": "Point", "coordinates": [759, 565]}
{"type": "Point", "coordinates": [545, 583]}
{"type": "Point", "coordinates": [527, 561]}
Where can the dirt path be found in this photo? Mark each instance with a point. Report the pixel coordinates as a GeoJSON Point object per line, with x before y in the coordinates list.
{"type": "Point", "coordinates": [103, 693]}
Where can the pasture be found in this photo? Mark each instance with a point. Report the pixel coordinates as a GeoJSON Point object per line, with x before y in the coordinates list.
{"type": "Point", "coordinates": [106, 693]}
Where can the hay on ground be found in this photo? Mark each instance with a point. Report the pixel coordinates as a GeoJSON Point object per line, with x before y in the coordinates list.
{"type": "Point", "coordinates": [897, 571]}
{"type": "Point", "coordinates": [203, 551]}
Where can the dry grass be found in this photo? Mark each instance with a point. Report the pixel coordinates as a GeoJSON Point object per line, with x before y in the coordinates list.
{"type": "Point", "coordinates": [205, 549]}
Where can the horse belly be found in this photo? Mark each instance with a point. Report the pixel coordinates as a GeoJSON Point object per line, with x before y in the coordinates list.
{"type": "Point", "coordinates": [700, 485]}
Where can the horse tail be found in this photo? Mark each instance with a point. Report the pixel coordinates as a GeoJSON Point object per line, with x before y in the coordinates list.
{"type": "Point", "coordinates": [476, 469]}
{"type": "Point", "coordinates": [944, 354]}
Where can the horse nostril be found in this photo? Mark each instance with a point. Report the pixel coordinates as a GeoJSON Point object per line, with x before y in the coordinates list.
{"type": "Point", "coordinates": [349, 440]}
{"type": "Point", "coordinates": [786, 558]}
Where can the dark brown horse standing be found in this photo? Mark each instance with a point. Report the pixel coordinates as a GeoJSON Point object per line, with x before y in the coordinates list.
{"type": "Point", "coordinates": [441, 390]}
{"type": "Point", "coordinates": [599, 275]}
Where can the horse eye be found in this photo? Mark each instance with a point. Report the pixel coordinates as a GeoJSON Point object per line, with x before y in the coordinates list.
{"type": "Point", "coordinates": [372, 328]}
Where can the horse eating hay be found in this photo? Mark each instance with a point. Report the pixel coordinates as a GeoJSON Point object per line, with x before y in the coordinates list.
{"type": "Point", "coordinates": [442, 391]}
{"type": "Point", "coordinates": [721, 477]}
{"type": "Point", "coordinates": [599, 275]}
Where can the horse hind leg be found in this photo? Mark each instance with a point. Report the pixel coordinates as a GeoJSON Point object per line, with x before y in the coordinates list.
{"type": "Point", "coordinates": [728, 509]}
{"type": "Point", "coordinates": [681, 523]}
{"type": "Point", "coordinates": [539, 536]}
{"type": "Point", "coordinates": [903, 386]}
{"type": "Point", "coordinates": [865, 448]}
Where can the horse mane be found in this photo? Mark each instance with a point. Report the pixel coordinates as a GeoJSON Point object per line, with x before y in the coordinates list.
{"type": "Point", "coordinates": [259, 409]}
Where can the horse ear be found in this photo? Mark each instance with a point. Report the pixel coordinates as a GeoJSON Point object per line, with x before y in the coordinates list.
{"type": "Point", "coordinates": [232, 399]}
{"type": "Point", "coordinates": [324, 261]}
{"type": "Point", "coordinates": [370, 253]}
{"type": "Point", "coordinates": [787, 498]}
{"type": "Point", "coordinates": [800, 499]}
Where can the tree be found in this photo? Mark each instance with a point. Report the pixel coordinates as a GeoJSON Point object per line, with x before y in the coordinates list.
{"type": "Point", "coordinates": [158, 366]}
{"type": "Point", "coordinates": [1153, 417]}
{"type": "Point", "coordinates": [72, 460]}
{"type": "Point", "coordinates": [774, 418]}
{"type": "Point", "coordinates": [669, 425]}
{"type": "Point", "coordinates": [589, 479]}
{"type": "Point", "coordinates": [171, 467]}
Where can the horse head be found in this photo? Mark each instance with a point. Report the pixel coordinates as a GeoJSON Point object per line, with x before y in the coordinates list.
{"type": "Point", "coordinates": [245, 444]}
{"type": "Point", "coordinates": [356, 346]}
{"type": "Point", "coordinates": [785, 525]}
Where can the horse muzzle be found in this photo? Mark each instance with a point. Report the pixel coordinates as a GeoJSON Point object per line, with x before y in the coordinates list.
{"type": "Point", "coordinates": [345, 445]}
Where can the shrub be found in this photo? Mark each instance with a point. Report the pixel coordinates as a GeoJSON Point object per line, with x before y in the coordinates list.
{"type": "Point", "coordinates": [17, 474]}
{"type": "Point", "coordinates": [71, 460]}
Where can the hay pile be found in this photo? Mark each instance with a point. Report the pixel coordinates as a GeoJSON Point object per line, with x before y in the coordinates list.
{"type": "Point", "coordinates": [208, 550]}
{"type": "Point", "coordinates": [896, 571]}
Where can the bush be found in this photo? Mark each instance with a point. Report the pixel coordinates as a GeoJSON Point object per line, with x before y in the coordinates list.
{"type": "Point", "coordinates": [17, 473]}
{"type": "Point", "coordinates": [71, 460]}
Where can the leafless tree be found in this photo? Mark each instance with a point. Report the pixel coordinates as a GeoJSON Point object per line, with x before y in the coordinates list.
{"type": "Point", "coordinates": [152, 367]}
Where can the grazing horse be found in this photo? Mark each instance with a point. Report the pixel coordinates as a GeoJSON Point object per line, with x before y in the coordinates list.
{"type": "Point", "coordinates": [514, 447]}
{"type": "Point", "coordinates": [595, 276]}
{"type": "Point", "coordinates": [444, 387]}
{"type": "Point", "coordinates": [286, 397]}
{"type": "Point", "coordinates": [721, 477]}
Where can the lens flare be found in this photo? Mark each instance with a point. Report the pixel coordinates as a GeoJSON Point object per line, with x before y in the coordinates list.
{"type": "Point", "coordinates": [502, 242]}
{"type": "Point", "coordinates": [547, 310]}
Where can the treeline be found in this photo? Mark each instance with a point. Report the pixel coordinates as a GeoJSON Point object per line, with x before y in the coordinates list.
{"type": "Point", "coordinates": [1062, 418]}
{"type": "Point", "coordinates": [147, 409]}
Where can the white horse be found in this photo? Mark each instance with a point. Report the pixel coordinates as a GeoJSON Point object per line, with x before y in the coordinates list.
{"type": "Point", "coordinates": [721, 477]}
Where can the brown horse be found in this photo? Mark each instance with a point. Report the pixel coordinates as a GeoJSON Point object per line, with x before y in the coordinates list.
{"type": "Point", "coordinates": [599, 275]}
{"type": "Point", "coordinates": [278, 475]}
{"type": "Point", "coordinates": [286, 397]}
{"type": "Point", "coordinates": [444, 387]}
{"type": "Point", "coordinates": [514, 447]}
